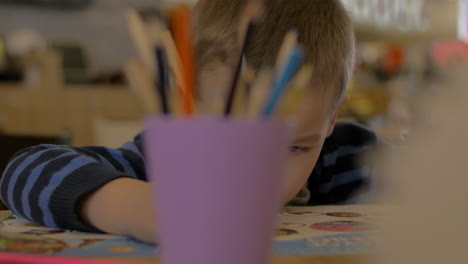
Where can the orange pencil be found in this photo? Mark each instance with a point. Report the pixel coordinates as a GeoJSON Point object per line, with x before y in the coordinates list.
{"type": "Point", "coordinates": [181, 27]}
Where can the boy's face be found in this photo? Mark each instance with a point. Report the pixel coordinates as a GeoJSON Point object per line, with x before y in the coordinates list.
{"type": "Point", "coordinates": [314, 124]}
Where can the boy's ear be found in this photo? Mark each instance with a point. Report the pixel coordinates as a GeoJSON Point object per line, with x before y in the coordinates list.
{"type": "Point", "coordinates": [331, 126]}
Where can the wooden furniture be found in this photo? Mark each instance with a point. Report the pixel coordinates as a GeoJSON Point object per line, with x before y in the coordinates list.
{"type": "Point", "coordinates": [52, 107]}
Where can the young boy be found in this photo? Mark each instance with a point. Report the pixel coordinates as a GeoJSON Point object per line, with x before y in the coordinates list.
{"type": "Point", "coordinates": [100, 189]}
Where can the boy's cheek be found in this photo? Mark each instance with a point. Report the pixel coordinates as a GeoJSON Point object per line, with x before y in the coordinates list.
{"type": "Point", "coordinates": [300, 166]}
{"type": "Point", "coordinates": [304, 162]}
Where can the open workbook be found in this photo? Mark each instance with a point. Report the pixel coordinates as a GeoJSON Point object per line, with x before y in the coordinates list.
{"type": "Point", "coordinates": [301, 231]}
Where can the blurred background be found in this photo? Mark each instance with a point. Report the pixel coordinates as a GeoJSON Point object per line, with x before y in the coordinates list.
{"type": "Point", "coordinates": [61, 64]}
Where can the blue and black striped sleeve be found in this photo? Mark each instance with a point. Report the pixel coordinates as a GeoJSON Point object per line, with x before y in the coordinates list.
{"type": "Point", "coordinates": [344, 172]}
{"type": "Point", "coordinates": [46, 183]}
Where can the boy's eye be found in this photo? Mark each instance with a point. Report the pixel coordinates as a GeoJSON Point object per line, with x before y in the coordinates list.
{"type": "Point", "coordinates": [295, 149]}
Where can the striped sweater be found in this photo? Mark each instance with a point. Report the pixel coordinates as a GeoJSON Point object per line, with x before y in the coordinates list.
{"type": "Point", "coordinates": [45, 183]}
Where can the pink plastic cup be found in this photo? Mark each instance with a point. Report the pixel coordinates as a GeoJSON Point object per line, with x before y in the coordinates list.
{"type": "Point", "coordinates": [217, 186]}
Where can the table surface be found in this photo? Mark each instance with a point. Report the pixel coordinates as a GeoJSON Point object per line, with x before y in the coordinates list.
{"type": "Point", "coordinates": [276, 260]}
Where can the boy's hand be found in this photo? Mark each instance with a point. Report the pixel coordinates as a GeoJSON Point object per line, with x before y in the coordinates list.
{"type": "Point", "coordinates": [122, 207]}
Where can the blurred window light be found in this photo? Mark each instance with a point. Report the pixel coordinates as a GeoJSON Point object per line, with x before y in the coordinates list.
{"type": "Point", "coordinates": [51, 3]}
{"type": "Point", "coordinates": [403, 15]}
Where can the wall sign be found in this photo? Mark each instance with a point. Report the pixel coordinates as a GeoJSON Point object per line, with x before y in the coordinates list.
{"type": "Point", "coordinates": [404, 15]}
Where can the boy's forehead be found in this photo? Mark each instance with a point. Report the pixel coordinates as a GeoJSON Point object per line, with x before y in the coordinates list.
{"type": "Point", "coordinates": [314, 113]}
{"type": "Point", "coordinates": [317, 102]}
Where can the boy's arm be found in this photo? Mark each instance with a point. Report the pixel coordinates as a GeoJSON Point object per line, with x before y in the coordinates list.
{"type": "Point", "coordinates": [122, 207]}
{"type": "Point", "coordinates": [48, 183]}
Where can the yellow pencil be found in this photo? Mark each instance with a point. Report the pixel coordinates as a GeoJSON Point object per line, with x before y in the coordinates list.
{"type": "Point", "coordinates": [140, 37]}
{"type": "Point", "coordinates": [142, 82]}
{"type": "Point", "coordinates": [259, 94]}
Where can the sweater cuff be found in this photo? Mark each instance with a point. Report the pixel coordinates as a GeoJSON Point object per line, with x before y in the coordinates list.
{"type": "Point", "coordinates": [66, 199]}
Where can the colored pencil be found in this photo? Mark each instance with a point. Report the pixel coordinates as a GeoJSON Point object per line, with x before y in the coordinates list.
{"type": "Point", "coordinates": [162, 83]}
{"type": "Point", "coordinates": [250, 17]}
{"type": "Point", "coordinates": [141, 82]}
{"type": "Point", "coordinates": [274, 90]}
{"type": "Point", "coordinates": [182, 31]}
{"type": "Point", "coordinates": [156, 29]}
{"type": "Point", "coordinates": [290, 42]}
{"type": "Point", "coordinates": [161, 36]}
{"type": "Point", "coordinates": [237, 72]}
{"type": "Point", "coordinates": [175, 65]}
{"type": "Point", "coordinates": [259, 93]}
{"type": "Point", "coordinates": [140, 38]}
{"type": "Point", "coordinates": [174, 60]}
{"type": "Point", "coordinates": [282, 81]}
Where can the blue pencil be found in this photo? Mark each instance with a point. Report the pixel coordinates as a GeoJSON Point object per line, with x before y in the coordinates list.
{"type": "Point", "coordinates": [282, 82]}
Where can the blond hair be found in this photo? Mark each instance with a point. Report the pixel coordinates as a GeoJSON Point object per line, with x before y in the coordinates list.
{"type": "Point", "coordinates": [325, 31]}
